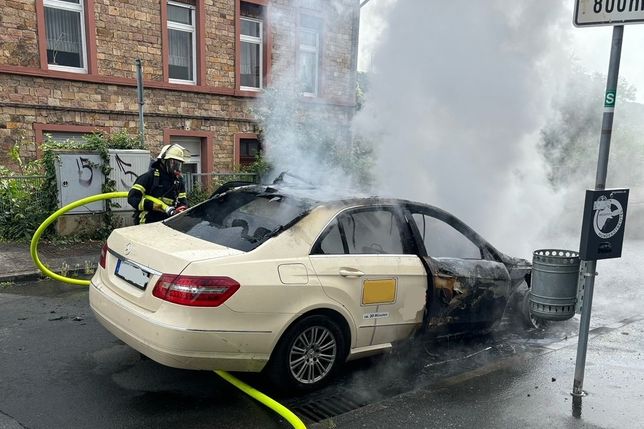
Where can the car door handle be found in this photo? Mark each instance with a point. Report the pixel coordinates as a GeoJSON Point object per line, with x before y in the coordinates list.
{"type": "Point", "coordinates": [351, 272]}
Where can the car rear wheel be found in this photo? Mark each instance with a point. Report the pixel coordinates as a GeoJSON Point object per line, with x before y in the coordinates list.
{"type": "Point", "coordinates": [307, 355]}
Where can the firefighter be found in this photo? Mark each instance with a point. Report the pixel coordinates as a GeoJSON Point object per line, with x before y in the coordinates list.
{"type": "Point", "coordinates": [164, 181]}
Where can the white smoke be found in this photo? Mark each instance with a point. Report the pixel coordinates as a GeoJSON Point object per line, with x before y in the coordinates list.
{"type": "Point", "coordinates": [459, 93]}
{"type": "Point", "coordinates": [309, 136]}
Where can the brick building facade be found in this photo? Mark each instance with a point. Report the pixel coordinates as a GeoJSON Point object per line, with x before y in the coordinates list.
{"type": "Point", "coordinates": [67, 67]}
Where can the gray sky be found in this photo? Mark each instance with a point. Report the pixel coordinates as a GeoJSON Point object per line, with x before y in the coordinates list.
{"type": "Point", "coordinates": [590, 45]}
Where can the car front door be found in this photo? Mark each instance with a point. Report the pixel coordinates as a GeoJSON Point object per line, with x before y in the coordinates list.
{"type": "Point", "coordinates": [468, 289]}
{"type": "Point", "coordinates": [365, 261]}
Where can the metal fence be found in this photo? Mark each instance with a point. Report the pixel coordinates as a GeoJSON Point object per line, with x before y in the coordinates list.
{"type": "Point", "coordinates": [211, 181]}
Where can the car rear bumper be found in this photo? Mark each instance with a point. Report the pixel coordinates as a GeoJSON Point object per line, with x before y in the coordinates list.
{"type": "Point", "coordinates": [179, 347]}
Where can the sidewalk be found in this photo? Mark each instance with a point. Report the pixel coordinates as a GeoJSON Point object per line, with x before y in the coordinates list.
{"type": "Point", "coordinates": [69, 259]}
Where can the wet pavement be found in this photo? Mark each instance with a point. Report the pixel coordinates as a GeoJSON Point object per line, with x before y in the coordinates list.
{"type": "Point", "coordinates": [528, 391]}
{"type": "Point", "coordinates": [60, 369]}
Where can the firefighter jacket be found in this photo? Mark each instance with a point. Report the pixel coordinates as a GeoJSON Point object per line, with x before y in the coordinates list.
{"type": "Point", "coordinates": [156, 182]}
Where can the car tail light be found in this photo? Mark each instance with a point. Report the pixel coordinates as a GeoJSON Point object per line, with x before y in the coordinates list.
{"type": "Point", "coordinates": [197, 291]}
{"type": "Point", "coordinates": [103, 259]}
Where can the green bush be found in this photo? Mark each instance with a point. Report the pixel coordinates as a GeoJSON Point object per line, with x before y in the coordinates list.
{"type": "Point", "coordinates": [22, 208]}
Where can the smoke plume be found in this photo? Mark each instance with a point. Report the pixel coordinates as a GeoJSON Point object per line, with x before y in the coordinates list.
{"type": "Point", "coordinates": [461, 94]}
{"type": "Point", "coordinates": [479, 108]}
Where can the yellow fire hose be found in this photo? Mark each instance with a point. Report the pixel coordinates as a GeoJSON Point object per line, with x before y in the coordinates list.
{"type": "Point", "coordinates": [33, 249]}
{"type": "Point", "coordinates": [259, 396]}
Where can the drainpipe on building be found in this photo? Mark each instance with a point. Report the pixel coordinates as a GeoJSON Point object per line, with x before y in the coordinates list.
{"type": "Point", "coordinates": [139, 97]}
{"type": "Point", "coordinates": [355, 41]}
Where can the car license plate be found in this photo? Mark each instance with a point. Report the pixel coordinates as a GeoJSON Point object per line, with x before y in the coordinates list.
{"type": "Point", "coordinates": [132, 274]}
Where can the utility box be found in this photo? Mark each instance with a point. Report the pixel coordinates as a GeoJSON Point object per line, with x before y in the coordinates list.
{"type": "Point", "coordinates": [78, 175]}
{"type": "Point", "coordinates": [127, 165]}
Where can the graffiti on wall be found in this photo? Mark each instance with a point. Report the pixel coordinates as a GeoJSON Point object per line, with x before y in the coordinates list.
{"type": "Point", "coordinates": [128, 177]}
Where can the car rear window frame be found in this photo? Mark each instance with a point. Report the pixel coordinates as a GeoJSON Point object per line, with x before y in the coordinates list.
{"type": "Point", "coordinates": [244, 244]}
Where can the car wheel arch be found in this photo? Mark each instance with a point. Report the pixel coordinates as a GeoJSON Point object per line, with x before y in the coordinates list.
{"type": "Point", "coordinates": [332, 314]}
{"type": "Point", "coordinates": [281, 365]}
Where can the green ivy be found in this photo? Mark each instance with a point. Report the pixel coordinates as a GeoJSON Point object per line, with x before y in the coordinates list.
{"type": "Point", "coordinates": [24, 205]}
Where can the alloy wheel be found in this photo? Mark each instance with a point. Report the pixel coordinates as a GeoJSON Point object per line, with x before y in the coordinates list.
{"type": "Point", "coordinates": [312, 354]}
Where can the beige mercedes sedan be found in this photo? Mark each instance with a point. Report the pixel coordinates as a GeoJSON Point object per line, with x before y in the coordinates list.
{"type": "Point", "coordinates": [269, 278]}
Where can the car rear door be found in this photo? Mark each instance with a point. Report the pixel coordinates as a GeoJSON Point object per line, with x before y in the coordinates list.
{"type": "Point", "coordinates": [468, 289]}
{"type": "Point", "coordinates": [364, 261]}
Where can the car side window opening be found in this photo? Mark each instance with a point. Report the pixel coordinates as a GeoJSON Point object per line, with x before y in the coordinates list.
{"type": "Point", "coordinates": [443, 240]}
{"type": "Point", "coordinates": [331, 242]}
{"type": "Point", "coordinates": [363, 232]}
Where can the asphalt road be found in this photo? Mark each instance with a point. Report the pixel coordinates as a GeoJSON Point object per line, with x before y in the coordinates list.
{"type": "Point", "coordinates": [60, 369]}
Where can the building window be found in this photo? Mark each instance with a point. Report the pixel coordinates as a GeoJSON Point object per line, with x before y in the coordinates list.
{"type": "Point", "coordinates": [251, 38]}
{"type": "Point", "coordinates": [62, 136]}
{"type": "Point", "coordinates": [191, 165]}
{"type": "Point", "coordinates": [182, 43]}
{"type": "Point", "coordinates": [65, 29]}
{"type": "Point", "coordinates": [249, 149]}
{"type": "Point", "coordinates": [309, 54]}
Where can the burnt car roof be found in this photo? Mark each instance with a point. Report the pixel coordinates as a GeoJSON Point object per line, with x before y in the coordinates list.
{"type": "Point", "coordinates": [316, 196]}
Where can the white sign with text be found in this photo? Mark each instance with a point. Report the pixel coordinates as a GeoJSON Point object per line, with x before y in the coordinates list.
{"type": "Point", "coordinates": [608, 12]}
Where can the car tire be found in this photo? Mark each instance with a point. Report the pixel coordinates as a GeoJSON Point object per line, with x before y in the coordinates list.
{"type": "Point", "coordinates": [307, 355]}
{"type": "Point", "coordinates": [529, 320]}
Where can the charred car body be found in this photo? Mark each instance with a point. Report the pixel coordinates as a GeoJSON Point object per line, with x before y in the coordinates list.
{"type": "Point", "coordinates": [270, 278]}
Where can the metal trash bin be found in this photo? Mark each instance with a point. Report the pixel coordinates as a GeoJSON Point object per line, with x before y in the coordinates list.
{"type": "Point", "coordinates": [553, 291]}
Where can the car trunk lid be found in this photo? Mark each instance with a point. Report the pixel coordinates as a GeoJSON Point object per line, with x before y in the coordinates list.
{"type": "Point", "coordinates": [139, 255]}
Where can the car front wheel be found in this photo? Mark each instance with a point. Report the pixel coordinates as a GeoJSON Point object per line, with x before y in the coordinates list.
{"type": "Point", "coordinates": [307, 355]}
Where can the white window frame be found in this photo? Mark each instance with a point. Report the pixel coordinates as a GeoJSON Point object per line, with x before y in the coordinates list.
{"type": "Point", "coordinates": [315, 50]}
{"type": "Point", "coordinates": [256, 41]}
{"type": "Point", "coordinates": [192, 29]}
{"type": "Point", "coordinates": [193, 145]}
{"type": "Point", "coordinates": [73, 7]}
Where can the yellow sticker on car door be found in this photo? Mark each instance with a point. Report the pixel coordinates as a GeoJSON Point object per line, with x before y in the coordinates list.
{"type": "Point", "coordinates": [381, 291]}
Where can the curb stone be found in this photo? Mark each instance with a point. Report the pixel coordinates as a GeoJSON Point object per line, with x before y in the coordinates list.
{"type": "Point", "coordinates": [35, 275]}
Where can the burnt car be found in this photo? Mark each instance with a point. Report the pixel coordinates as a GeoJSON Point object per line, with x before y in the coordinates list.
{"type": "Point", "coordinates": [286, 281]}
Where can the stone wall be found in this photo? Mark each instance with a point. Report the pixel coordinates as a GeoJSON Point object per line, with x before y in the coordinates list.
{"type": "Point", "coordinates": [18, 37]}
{"type": "Point", "coordinates": [129, 29]}
{"type": "Point", "coordinates": [114, 108]}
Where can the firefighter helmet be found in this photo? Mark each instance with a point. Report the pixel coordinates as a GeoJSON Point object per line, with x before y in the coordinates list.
{"type": "Point", "coordinates": [173, 156]}
{"type": "Point", "coordinates": [174, 151]}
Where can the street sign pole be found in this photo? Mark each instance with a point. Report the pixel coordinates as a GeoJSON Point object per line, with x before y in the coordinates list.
{"type": "Point", "coordinates": [600, 184]}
